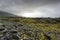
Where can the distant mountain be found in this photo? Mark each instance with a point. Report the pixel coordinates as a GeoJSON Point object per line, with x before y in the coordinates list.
{"type": "Point", "coordinates": [6, 14]}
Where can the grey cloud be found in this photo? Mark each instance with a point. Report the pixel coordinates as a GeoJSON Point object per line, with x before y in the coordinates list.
{"type": "Point", "coordinates": [47, 7]}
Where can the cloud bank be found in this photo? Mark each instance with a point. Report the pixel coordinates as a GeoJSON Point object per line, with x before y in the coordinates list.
{"type": "Point", "coordinates": [31, 8]}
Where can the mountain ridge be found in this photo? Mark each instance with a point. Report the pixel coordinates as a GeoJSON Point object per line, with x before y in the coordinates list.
{"type": "Point", "coordinates": [6, 14]}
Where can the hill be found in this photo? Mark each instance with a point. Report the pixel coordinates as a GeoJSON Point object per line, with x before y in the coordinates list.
{"type": "Point", "coordinates": [6, 14]}
{"type": "Point", "coordinates": [47, 25]}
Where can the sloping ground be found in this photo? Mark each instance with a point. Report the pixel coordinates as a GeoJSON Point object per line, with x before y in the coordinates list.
{"type": "Point", "coordinates": [8, 27]}
{"type": "Point", "coordinates": [6, 14]}
{"type": "Point", "coordinates": [51, 25]}
{"type": "Point", "coordinates": [30, 28]}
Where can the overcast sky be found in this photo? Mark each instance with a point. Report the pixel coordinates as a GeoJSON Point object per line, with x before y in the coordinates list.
{"type": "Point", "coordinates": [31, 8]}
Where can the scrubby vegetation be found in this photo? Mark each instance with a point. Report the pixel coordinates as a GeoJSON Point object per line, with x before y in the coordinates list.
{"type": "Point", "coordinates": [40, 23]}
{"type": "Point", "coordinates": [47, 25]}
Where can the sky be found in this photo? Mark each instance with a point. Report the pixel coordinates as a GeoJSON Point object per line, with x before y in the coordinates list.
{"type": "Point", "coordinates": [31, 8]}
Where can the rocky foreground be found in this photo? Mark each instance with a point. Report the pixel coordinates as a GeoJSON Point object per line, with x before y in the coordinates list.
{"type": "Point", "coordinates": [11, 30]}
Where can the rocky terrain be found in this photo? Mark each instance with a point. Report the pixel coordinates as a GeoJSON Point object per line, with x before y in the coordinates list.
{"type": "Point", "coordinates": [14, 30]}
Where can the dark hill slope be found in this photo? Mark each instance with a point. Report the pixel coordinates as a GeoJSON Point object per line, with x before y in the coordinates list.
{"type": "Point", "coordinates": [6, 14]}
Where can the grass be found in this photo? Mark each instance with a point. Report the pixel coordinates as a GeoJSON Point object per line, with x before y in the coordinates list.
{"type": "Point", "coordinates": [44, 24]}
